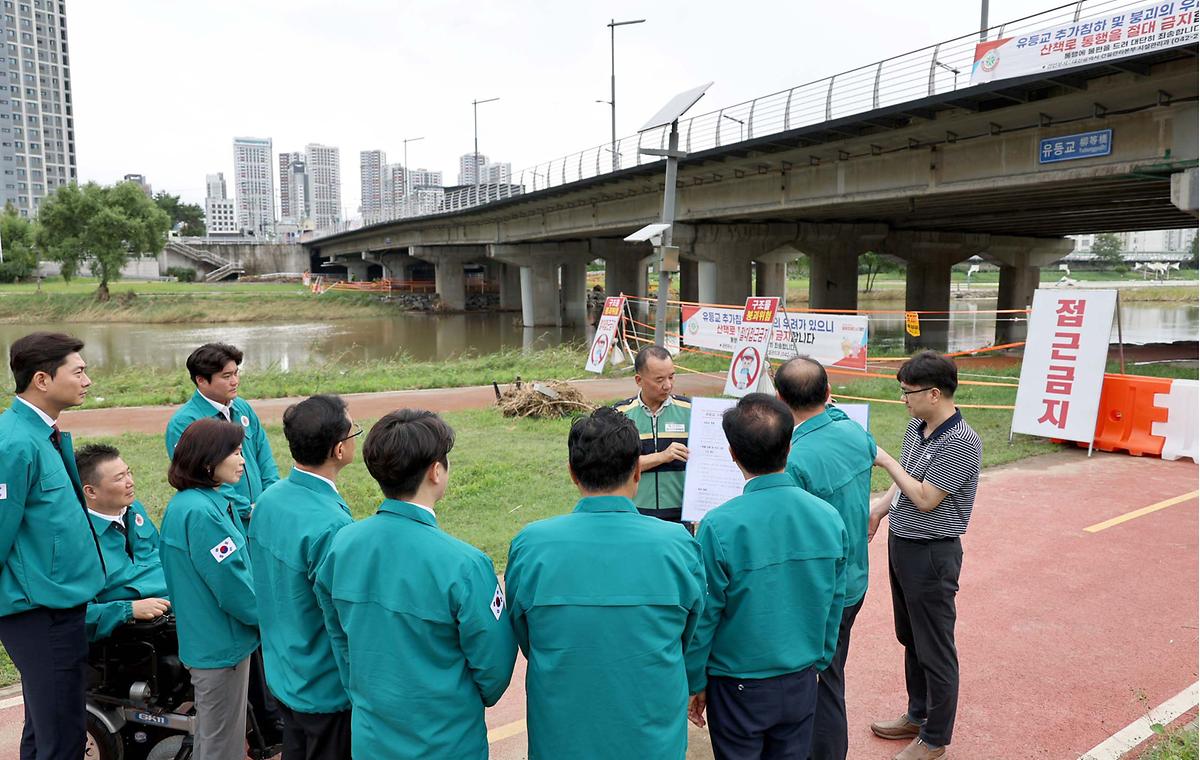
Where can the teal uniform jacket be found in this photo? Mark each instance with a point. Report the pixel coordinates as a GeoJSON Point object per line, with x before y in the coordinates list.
{"type": "Point", "coordinates": [831, 458]}
{"type": "Point", "coordinates": [420, 635]}
{"type": "Point", "coordinates": [48, 555]}
{"type": "Point", "coordinates": [260, 470]}
{"type": "Point", "coordinates": [775, 559]}
{"type": "Point", "coordinates": [133, 570]}
{"type": "Point", "coordinates": [207, 566]}
{"type": "Point", "coordinates": [604, 602]}
{"type": "Point", "coordinates": [294, 523]}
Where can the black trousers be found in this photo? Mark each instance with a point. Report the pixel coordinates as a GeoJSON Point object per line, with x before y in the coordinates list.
{"type": "Point", "coordinates": [924, 579]}
{"type": "Point", "coordinates": [768, 718]}
{"type": "Point", "coordinates": [830, 733]}
{"type": "Point", "coordinates": [315, 736]}
{"type": "Point", "coordinates": [49, 648]}
{"type": "Point", "coordinates": [670, 515]}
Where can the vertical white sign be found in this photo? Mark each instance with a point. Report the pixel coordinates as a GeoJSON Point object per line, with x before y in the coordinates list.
{"type": "Point", "coordinates": [1062, 371]}
{"type": "Point", "coordinates": [606, 333]}
{"type": "Point", "coordinates": [711, 478]}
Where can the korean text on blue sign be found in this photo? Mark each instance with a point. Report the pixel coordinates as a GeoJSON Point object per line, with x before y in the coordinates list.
{"type": "Point", "coordinates": [1071, 147]}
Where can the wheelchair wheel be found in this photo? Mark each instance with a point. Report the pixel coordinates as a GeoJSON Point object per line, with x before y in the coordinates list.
{"type": "Point", "coordinates": [102, 745]}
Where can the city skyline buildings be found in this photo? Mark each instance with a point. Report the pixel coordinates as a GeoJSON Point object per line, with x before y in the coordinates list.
{"type": "Point", "coordinates": [254, 185]}
{"type": "Point", "coordinates": [37, 152]}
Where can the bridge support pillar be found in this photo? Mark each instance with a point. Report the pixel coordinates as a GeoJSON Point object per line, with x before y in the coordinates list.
{"type": "Point", "coordinates": [510, 287]}
{"type": "Point", "coordinates": [689, 280]}
{"type": "Point", "coordinates": [706, 281]}
{"type": "Point", "coordinates": [623, 270]}
{"type": "Point", "coordinates": [733, 248]}
{"type": "Point", "coordinates": [448, 261]}
{"type": "Point", "coordinates": [770, 272]}
{"type": "Point", "coordinates": [930, 255]}
{"type": "Point", "coordinates": [833, 251]}
{"type": "Point", "coordinates": [1020, 261]}
{"type": "Point", "coordinates": [542, 300]}
{"type": "Point", "coordinates": [396, 266]}
{"type": "Point", "coordinates": [356, 268]}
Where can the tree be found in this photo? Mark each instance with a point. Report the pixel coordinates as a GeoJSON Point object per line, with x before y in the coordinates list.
{"type": "Point", "coordinates": [870, 264]}
{"type": "Point", "coordinates": [1195, 251]}
{"type": "Point", "coordinates": [1107, 248]}
{"type": "Point", "coordinates": [19, 252]}
{"type": "Point", "coordinates": [103, 225]}
{"type": "Point", "coordinates": [188, 218]}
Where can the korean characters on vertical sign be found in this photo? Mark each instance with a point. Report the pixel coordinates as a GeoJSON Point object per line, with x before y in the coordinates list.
{"type": "Point", "coordinates": [606, 333]}
{"type": "Point", "coordinates": [748, 368]}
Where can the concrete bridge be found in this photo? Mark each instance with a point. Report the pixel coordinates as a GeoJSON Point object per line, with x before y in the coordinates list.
{"type": "Point", "coordinates": [933, 180]}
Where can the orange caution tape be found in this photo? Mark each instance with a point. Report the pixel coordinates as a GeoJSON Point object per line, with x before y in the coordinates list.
{"type": "Point", "coordinates": [829, 311]}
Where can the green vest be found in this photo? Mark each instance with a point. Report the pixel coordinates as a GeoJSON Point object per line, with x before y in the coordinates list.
{"type": "Point", "coordinates": [133, 570]}
{"type": "Point", "coordinates": [260, 471]}
{"type": "Point", "coordinates": [775, 560]}
{"type": "Point", "coordinates": [661, 487]}
{"type": "Point", "coordinates": [604, 602]}
{"type": "Point", "coordinates": [420, 635]}
{"type": "Point", "coordinates": [48, 554]}
{"type": "Point", "coordinates": [294, 523]}
{"type": "Point", "coordinates": [831, 458]}
{"type": "Point", "coordinates": [208, 574]}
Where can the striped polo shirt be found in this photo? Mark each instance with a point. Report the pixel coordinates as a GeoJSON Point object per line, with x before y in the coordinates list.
{"type": "Point", "coordinates": [948, 459]}
{"type": "Point", "coordinates": [661, 487]}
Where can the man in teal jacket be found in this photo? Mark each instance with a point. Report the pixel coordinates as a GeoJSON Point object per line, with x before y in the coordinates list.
{"type": "Point", "coordinates": [417, 618]}
{"type": "Point", "coordinates": [134, 585]}
{"type": "Point", "coordinates": [294, 523]}
{"type": "Point", "coordinates": [604, 602]}
{"type": "Point", "coordinates": [50, 563]}
{"type": "Point", "coordinates": [775, 560]}
{"type": "Point", "coordinates": [832, 458]}
{"type": "Point", "coordinates": [213, 369]}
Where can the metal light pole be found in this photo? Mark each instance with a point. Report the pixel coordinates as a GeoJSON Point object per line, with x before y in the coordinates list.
{"type": "Point", "coordinates": [475, 108]}
{"type": "Point", "coordinates": [406, 141]}
{"type": "Point", "coordinates": [612, 29]}
{"type": "Point", "coordinates": [983, 21]}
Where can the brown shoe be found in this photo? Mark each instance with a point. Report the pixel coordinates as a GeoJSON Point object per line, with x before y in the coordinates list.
{"type": "Point", "coordinates": [919, 750]}
{"type": "Point", "coordinates": [900, 728]}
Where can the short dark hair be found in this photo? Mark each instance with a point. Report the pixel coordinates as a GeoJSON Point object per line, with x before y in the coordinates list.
{"type": "Point", "coordinates": [402, 446]}
{"type": "Point", "coordinates": [40, 352]}
{"type": "Point", "coordinates": [802, 383]}
{"type": "Point", "coordinates": [646, 354]}
{"type": "Point", "coordinates": [314, 426]}
{"type": "Point", "coordinates": [204, 444]}
{"type": "Point", "coordinates": [210, 359]}
{"type": "Point", "coordinates": [89, 458]}
{"type": "Point", "coordinates": [759, 430]}
{"type": "Point", "coordinates": [931, 369]}
{"type": "Point", "coordinates": [603, 449]}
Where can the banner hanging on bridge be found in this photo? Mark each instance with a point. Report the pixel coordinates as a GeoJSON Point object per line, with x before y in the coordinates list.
{"type": "Point", "coordinates": [1154, 26]}
{"type": "Point", "coordinates": [835, 340]}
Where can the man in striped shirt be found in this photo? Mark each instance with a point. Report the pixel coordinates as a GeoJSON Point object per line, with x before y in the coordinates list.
{"type": "Point", "coordinates": [928, 508]}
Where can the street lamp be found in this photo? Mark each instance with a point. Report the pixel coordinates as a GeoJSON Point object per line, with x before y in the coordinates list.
{"type": "Point", "coordinates": [741, 126]}
{"type": "Point", "coordinates": [612, 28]}
{"type": "Point", "coordinates": [407, 185]}
{"type": "Point", "coordinates": [475, 108]}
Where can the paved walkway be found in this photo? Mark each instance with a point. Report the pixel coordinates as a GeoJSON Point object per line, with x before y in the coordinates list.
{"type": "Point", "coordinates": [1065, 635]}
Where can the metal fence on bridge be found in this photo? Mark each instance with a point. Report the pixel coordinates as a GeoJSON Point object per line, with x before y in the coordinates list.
{"type": "Point", "coordinates": [934, 70]}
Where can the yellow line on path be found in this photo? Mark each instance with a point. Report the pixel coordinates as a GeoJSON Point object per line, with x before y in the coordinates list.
{"type": "Point", "coordinates": [1140, 512]}
{"type": "Point", "coordinates": [500, 733]}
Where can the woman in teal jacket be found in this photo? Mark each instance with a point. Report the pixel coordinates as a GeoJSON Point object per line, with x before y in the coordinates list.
{"type": "Point", "coordinates": [207, 566]}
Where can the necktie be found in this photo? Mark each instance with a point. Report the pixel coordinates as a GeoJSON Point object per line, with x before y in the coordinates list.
{"type": "Point", "coordinates": [119, 523]}
{"type": "Point", "coordinates": [56, 437]}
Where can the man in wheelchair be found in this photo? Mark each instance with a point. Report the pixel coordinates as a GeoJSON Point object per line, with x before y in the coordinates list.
{"type": "Point", "coordinates": [139, 693]}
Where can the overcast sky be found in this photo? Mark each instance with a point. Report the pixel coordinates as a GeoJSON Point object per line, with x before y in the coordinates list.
{"type": "Point", "coordinates": [161, 87]}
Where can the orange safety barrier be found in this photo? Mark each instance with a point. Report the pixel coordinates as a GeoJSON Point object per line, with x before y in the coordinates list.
{"type": "Point", "coordinates": [1127, 411]}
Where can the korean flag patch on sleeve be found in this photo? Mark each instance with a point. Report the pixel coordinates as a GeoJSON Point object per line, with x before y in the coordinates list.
{"type": "Point", "coordinates": [498, 602]}
{"type": "Point", "coordinates": [223, 550]}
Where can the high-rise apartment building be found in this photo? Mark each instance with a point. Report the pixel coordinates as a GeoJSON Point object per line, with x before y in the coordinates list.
{"type": "Point", "coordinates": [495, 174]}
{"type": "Point", "coordinates": [424, 178]}
{"type": "Point", "coordinates": [254, 185]}
{"type": "Point", "coordinates": [295, 196]}
{"type": "Point", "coordinates": [141, 181]}
{"type": "Point", "coordinates": [469, 165]}
{"type": "Point", "coordinates": [372, 165]}
{"type": "Point", "coordinates": [325, 180]}
{"type": "Point", "coordinates": [37, 126]}
{"type": "Point", "coordinates": [214, 186]}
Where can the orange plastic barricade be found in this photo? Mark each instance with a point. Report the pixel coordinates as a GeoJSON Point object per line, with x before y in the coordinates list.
{"type": "Point", "coordinates": [1127, 412]}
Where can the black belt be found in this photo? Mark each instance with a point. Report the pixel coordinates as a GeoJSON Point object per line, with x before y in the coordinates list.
{"type": "Point", "coordinates": [924, 540]}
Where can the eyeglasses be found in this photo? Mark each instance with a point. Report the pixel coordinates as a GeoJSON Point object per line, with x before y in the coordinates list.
{"type": "Point", "coordinates": [357, 432]}
{"type": "Point", "coordinates": [906, 394]}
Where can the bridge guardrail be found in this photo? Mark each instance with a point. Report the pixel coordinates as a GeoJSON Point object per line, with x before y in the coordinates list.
{"type": "Point", "coordinates": [933, 70]}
